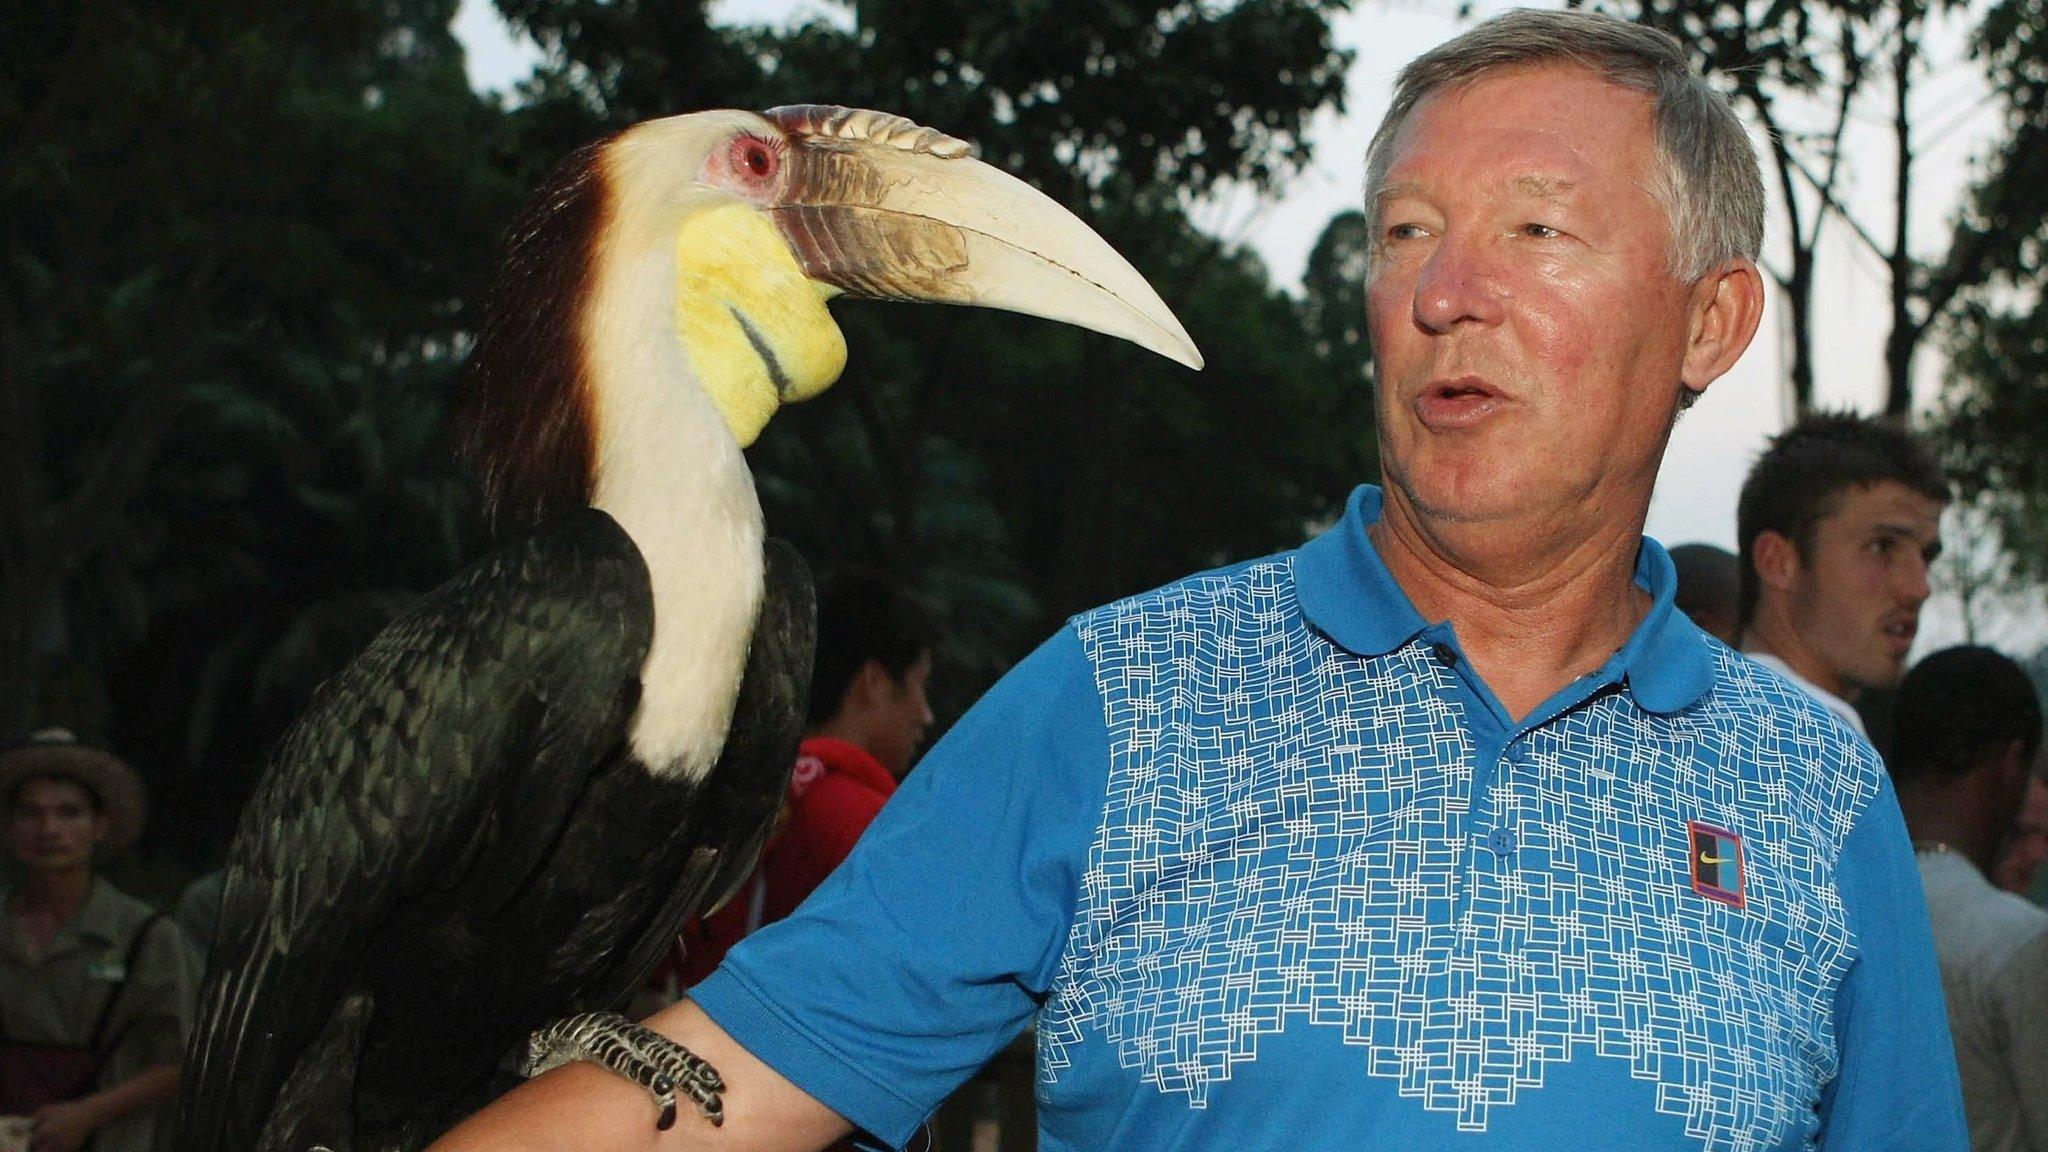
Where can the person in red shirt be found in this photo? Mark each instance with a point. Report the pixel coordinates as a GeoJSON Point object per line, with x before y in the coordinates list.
{"type": "Point", "coordinates": [868, 718]}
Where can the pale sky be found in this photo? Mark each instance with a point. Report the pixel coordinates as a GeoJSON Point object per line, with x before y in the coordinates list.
{"type": "Point", "coordinates": [1715, 443]}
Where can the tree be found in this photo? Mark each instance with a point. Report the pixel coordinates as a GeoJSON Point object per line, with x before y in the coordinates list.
{"type": "Point", "coordinates": [115, 266]}
{"type": "Point", "coordinates": [1994, 416]}
{"type": "Point", "coordinates": [1780, 60]}
{"type": "Point", "coordinates": [1333, 296]}
{"type": "Point", "coordinates": [1994, 429]}
{"type": "Point", "coordinates": [313, 199]}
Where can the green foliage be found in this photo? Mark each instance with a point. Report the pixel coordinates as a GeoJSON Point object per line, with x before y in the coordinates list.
{"type": "Point", "coordinates": [1994, 416]}
{"type": "Point", "coordinates": [611, 63]}
{"type": "Point", "coordinates": [228, 348]}
{"type": "Point", "coordinates": [2002, 233]}
{"type": "Point", "coordinates": [1089, 93]}
{"type": "Point", "coordinates": [1334, 296]}
{"type": "Point", "coordinates": [1993, 427]}
{"type": "Point", "coordinates": [239, 248]}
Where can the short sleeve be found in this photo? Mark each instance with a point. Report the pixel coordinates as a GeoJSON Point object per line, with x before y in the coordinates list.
{"type": "Point", "coordinates": [1896, 1086]}
{"type": "Point", "coordinates": [934, 943]}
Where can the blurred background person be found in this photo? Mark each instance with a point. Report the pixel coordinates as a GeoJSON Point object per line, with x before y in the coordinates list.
{"type": "Point", "coordinates": [1709, 589]}
{"type": "Point", "coordinates": [2026, 849]}
{"type": "Point", "coordinates": [198, 912]}
{"type": "Point", "coordinates": [96, 987]}
{"type": "Point", "coordinates": [1838, 522]}
{"type": "Point", "coordinates": [868, 718]}
{"type": "Point", "coordinates": [1967, 726]}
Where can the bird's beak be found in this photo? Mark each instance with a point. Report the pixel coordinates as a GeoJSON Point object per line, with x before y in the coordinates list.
{"type": "Point", "coordinates": [875, 206]}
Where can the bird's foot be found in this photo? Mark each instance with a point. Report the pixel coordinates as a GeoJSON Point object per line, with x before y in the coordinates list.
{"type": "Point", "coordinates": [641, 1055]}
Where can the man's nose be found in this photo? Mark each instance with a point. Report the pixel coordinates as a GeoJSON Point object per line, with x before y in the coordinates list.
{"type": "Point", "coordinates": [1457, 285]}
{"type": "Point", "coordinates": [1913, 579]}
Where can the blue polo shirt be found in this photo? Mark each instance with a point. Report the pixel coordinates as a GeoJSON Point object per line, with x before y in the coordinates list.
{"type": "Point", "coordinates": [1269, 867]}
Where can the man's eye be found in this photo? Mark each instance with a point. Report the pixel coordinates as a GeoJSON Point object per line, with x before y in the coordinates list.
{"type": "Point", "coordinates": [1404, 231]}
{"type": "Point", "coordinates": [1540, 231]}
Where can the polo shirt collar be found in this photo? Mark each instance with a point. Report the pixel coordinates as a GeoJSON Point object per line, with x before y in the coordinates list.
{"type": "Point", "coordinates": [1346, 591]}
{"type": "Point", "coordinates": [1666, 664]}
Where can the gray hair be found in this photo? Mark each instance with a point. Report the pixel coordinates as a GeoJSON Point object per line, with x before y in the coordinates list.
{"type": "Point", "coordinates": [1710, 186]}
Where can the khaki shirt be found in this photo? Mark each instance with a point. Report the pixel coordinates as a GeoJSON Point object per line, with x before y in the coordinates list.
{"type": "Point", "coordinates": [54, 997]}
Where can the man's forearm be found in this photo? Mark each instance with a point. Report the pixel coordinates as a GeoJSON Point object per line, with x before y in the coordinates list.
{"type": "Point", "coordinates": [584, 1108]}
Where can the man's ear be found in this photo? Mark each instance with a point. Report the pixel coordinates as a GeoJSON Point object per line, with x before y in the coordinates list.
{"type": "Point", "coordinates": [1776, 560]}
{"type": "Point", "coordinates": [869, 686]}
{"type": "Point", "coordinates": [1727, 305]}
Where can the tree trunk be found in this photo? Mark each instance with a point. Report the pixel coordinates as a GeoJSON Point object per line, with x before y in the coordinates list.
{"type": "Point", "coordinates": [1905, 334]}
{"type": "Point", "coordinates": [1799, 302]}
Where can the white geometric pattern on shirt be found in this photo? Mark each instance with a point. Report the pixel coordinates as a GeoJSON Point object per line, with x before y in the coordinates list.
{"type": "Point", "coordinates": [1285, 832]}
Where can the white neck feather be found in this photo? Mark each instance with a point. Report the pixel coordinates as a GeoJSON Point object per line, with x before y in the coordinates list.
{"type": "Point", "coordinates": [670, 473]}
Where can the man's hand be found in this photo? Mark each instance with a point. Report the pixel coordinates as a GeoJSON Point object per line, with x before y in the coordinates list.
{"type": "Point", "coordinates": [63, 1127]}
{"type": "Point", "coordinates": [67, 1126]}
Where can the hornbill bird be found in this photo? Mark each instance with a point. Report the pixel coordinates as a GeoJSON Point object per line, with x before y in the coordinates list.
{"type": "Point", "coordinates": [502, 810]}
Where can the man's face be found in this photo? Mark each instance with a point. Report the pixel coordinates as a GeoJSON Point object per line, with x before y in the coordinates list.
{"type": "Point", "coordinates": [901, 719]}
{"type": "Point", "coordinates": [2026, 849]}
{"type": "Point", "coordinates": [54, 826]}
{"type": "Point", "coordinates": [1855, 597]}
{"type": "Point", "coordinates": [1530, 336]}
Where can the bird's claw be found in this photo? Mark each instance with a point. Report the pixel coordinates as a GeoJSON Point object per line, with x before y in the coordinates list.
{"type": "Point", "coordinates": [641, 1055]}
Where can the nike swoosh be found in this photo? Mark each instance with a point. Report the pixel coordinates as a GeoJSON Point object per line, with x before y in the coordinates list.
{"type": "Point", "coordinates": [1706, 859]}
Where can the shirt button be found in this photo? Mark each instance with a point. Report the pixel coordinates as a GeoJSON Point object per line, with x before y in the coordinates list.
{"type": "Point", "coordinates": [1445, 654]}
{"type": "Point", "coordinates": [1519, 756]}
{"type": "Point", "coordinates": [1501, 841]}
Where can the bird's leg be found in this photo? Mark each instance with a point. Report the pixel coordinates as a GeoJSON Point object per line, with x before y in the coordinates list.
{"type": "Point", "coordinates": [641, 1055]}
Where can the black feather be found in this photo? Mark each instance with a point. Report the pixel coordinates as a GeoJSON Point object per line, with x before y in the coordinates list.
{"type": "Point", "coordinates": [454, 846]}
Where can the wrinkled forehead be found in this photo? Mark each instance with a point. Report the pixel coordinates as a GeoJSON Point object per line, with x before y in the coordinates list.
{"type": "Point", "coordinates": [1553, 123]}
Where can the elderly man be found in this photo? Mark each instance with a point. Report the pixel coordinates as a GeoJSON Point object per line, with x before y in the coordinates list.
{"type": "Point", "coordinates": [1443, 831]}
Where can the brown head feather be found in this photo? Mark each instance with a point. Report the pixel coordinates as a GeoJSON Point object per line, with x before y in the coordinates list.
{"type": "Point", "coordinates": [525, 416]}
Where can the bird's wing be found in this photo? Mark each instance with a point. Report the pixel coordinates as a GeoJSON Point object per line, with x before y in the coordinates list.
{"type": "Point", "coordinates": [503, 684]}
{"type": "Point", "coordinates": [733, 814]}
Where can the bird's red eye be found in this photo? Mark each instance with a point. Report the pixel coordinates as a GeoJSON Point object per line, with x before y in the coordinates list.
{"type": "Point", "coordinates": [754, 157]}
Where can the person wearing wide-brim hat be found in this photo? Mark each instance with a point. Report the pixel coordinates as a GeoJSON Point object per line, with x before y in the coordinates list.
{"type": "Point", "coordinates": [54, 752]}
{"type": "Point", "coordinates": [96, 989]}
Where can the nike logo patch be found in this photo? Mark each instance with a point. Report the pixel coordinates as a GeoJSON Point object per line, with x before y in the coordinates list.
{"type": "Point", "coordinates": [1716, 863]}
